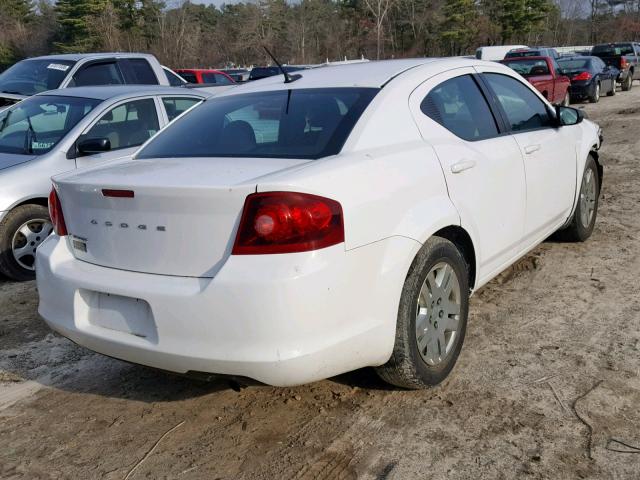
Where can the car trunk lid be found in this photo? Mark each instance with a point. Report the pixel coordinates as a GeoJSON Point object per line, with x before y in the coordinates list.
{"type": "Point", "coordinates": [179, 219]}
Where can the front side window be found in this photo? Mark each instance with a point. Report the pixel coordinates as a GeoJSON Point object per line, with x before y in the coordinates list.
{"type": "Point", "coordinates": [303, 123]}
{"type": "Point", "coordinates": [524, 110]}
{"type": "Point", "coordinates": [189, 77]}
{"type": "Point", "coordinates": [98, 74]}
{"type": "Point", "coordinates": [127, 125]}
{"type": "Point", "coordinates": [175, 106]}
{"type": "Point", "coordinates": [29, 77]}
{"type": "Point", "coordinates": [459, 106]}
{"type": "Point", "coordinates": [217, 78]}
{"type": "Point", "coordinates": [36, 125]}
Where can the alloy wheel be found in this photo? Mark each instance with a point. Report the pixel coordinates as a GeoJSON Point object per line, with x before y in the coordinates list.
{"type": "Point", "coordinates": [27, 238]}
{"type": "Point", "coordinates": [588, 194]}
{"type": "Point", "coordinates": [438, 314]}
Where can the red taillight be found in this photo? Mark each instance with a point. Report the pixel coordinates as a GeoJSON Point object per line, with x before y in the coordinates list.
{"type": "Point", "coordinates": [623, 63]}
{"type": "Point", "coordinates": [55, 213]}
{"type": "Point", "coordinates": [583, 76]}
{"type": "Point", "coordinates": [287, 222]}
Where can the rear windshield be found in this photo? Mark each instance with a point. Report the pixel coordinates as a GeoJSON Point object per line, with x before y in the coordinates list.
{"type": "Point", "coordinates": [576, 64]}
{"type": "Point", "coordinates": [613, 50]}
{"type": "Point", "coordinates": [528, 67]}
{"type": "Point", "coordinates": [305, 123]}
{"type": "Point", "coordinates": [29, 77]}
{"type": "Point", "coordinates": [524, 53]}
{"type": "Point", "coordinates": [35, 125]}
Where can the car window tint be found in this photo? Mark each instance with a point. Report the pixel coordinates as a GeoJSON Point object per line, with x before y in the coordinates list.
{"type": "Point", "coordinates": [37, 124]}
{"type": "Point", "coordinates": [189, 77]}
{"type": "Point", "coordinates": [528, 67]}
{"type": "Point", "coordinates": [460, 107]}
{"type": "Point", "coordinates": [138, 71]}
{"type": "Point", "coordinates": [524, 110]}
{"type": "Point", "coordinates": [175, 106]}
{"type": "Point", "coordinates": [297, 123]}
{"type": "Point", "coordinates": [98, 74]}
{"type": "Point", "coordinates": [222, 80]}
{"type": "Point", "coordinates": [127, 125]}
{"type": "Point", "coordinates": [173, 79]}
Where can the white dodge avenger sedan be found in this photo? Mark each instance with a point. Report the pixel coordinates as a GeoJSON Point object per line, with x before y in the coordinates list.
{"type": "Point", "coordinates": [294, 229]}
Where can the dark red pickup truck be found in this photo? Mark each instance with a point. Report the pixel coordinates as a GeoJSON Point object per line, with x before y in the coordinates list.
{"type": "Point", "coordinates": [544, 74]}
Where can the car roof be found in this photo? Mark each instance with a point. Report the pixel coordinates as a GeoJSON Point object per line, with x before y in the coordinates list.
{"type": "Point", "coordinates": [74, 57]}
{"type": "Point", "coordinates": [530, 57]}
{"type": "Point", "coordinates": [373, 74]}
{"type": "Point", "coordinates": [203, 70]}
{"type": "Point", "coordinates": [123, 91]}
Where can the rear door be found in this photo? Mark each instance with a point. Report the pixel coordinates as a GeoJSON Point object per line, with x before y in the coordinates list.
{"type": "Point", "coordinates": [127, 125]}
{"type": "Point", "coordinates": [483, 167]}
{"type": "Point", "coordinates": [549, 153]}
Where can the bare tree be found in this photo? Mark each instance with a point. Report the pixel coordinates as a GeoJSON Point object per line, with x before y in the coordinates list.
{"type": "Point", "coordinates": [379, 9]}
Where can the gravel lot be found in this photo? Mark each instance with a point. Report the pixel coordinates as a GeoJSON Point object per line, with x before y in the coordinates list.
{"type": "Point", "coordinates": [547, 385]}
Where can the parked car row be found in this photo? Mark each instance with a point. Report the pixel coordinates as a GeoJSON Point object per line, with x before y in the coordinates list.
{"type": "Point", "coordinates": [288, 231]}
{"type": "Point", "coordinates": [573, 78]}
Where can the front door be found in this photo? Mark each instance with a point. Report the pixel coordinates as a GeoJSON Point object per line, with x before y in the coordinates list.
{"type": "Point", "coordinates": [549, 152]}
{"type": "Point", "coordinates": [126, 125]}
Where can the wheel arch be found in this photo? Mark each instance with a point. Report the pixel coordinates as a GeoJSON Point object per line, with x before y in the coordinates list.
{"type": "Point", "coordinates": [462, 240]}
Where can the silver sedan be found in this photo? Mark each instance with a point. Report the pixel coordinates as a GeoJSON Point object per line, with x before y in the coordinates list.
{"type": "Point", "coordinates": [61, 130]}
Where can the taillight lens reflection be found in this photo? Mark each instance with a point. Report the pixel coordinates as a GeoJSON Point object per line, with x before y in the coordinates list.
{"type": "Point", "coordinates": [287, 222]}
{"type": "Point", "coordinates": [55, 213]}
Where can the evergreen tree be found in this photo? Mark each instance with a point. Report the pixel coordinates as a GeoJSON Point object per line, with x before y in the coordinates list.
{"type": "Point", "coordinates": [74, 19]}
{"type": "Point", "coordinates": [459, 28]}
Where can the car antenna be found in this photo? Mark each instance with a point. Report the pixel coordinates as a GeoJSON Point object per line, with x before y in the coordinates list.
{"type": "Point", "coordinates": [287, 78]}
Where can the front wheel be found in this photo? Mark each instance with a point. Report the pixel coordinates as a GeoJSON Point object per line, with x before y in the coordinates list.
{"type": "Point", "coordinates": [584, 216]}
{"type": "Point", "coordinates": [567, 100]}
{"type": "Point", "coordinates": [613, 89]}
{"type": "Point", "coordinates": [627, 83]}
{"type": "Point", "coordinates": [21, 232]}
{"type": "Point", "coordinates": [432, 318]}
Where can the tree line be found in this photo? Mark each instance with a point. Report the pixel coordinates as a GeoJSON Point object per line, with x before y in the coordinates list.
{"type": "Point", "coordinates": [304, 31]}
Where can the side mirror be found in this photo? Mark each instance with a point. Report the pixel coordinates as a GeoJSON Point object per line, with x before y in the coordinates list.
{"type": "Point", "coordinates": [93, 145]}
{"type": "Point", "coordinates": [568, 116]}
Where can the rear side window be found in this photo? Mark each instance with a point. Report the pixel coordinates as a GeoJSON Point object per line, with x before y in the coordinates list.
{"type": "Point", "coordinates": [127, 125]}
{"type": "Point", "coordinates": [137, 71]}
{"type": "Point", "coordinates": [175, 106]}
{"type": "Point", "coordinates": [106, 73]}
{"type": "Point", "coordinates": [524, 110]}
{"type": "Point", "coordinates": [298, 123]}
{"type": "Point", "coordinates": [173, 79]}
{"type": "Point", "coordinates": [460, 107]}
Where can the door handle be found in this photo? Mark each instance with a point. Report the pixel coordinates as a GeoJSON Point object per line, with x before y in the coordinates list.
{"type": "Point", "coordinates": [529, 149]}
{"type": "Point", "coordinates": [462, 166]}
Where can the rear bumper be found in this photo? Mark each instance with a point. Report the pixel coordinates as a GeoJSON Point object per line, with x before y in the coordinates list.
{"type": "Point", "coordinates": [581, 89]}
{"type": "Point", "coordinates": [279, 319]}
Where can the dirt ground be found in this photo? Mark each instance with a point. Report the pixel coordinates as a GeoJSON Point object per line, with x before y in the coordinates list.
{"type": "Point", "coordinates": [547, 385]}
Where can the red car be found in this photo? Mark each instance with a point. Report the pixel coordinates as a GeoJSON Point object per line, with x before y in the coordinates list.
{"type": "Point", "coordinates": [204, 75]}
{"type": "Point", "coordinates": [544, 74]}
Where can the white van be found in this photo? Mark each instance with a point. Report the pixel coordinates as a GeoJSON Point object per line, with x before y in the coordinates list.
{"type": "Point", "coordinates": [496, 52]}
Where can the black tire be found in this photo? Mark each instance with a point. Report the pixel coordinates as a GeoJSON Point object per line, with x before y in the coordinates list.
{"type": "Point", "coordinates": [595, 98]}
{"type": "Point", "coordinates": [406, 368]}
{"type": "Point", "coordinates": [567, 100]}
{"type": "Point", "coordinates": [9, 227]}
{"type": "Point", "coordinates": [612, 92]}
{"type": "Point", "coordinates": [627, 83]}
{"type": "Point", "coordinates": [577, 231]}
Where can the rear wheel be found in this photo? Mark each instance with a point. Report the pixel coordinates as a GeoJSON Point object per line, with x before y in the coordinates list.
{"type": "Point", "coordinates": [584, 216]}
{"type": "Point", "coordinates": [627, 83]}
{"type": "Point", "coordinates": [21, 232]}
{"type": "Point", "coordinates": [432, 318]}
{"type": "Point", "coordinates": [595, 98]}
